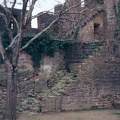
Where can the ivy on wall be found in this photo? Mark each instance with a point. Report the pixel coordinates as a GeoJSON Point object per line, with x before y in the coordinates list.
{"type": "Point", "coordinates": [44, 44]}
{"type": "Point", "coordinates": [116, 8]}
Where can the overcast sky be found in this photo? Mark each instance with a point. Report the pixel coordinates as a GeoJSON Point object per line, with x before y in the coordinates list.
{"type": "Point", "coordinates": [47, 4]}
{"type": "Point", "coordinates": [44, 5]}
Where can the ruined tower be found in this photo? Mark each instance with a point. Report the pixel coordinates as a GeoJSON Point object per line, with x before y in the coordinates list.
{"type": "Point", "coordinates": [110, 18]}
{"type": "Point", "coordinates": [98, 23]}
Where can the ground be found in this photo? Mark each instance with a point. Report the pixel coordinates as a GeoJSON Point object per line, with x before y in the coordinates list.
{"type": "Point", "coordinates": [76, 115]}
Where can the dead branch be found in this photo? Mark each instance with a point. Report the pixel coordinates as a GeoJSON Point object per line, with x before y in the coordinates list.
{"type": "Point", "coordinates": [29, 13]}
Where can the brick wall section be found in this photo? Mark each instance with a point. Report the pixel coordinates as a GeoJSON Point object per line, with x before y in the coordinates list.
{"type": "Point", "coordinates": [44, 20]}
{"type": "Point", "coordinates": [25, 62]}
{"type": "Point", "coordinates": [49, 65]}
{"type": "Point", "coordinates": [97, 84]}
{"type": "Point", "coordinates": [88, 32]}
{"type": "Point", "coordinates": [28, 82]}
{"type": "Point", "coordinates": [110, 19]}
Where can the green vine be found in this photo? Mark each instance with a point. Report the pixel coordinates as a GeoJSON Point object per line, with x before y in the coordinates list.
{"type": "Point", "coordinates": [116, 8]}
{"type": "Point", "coordinates": [44, 44]}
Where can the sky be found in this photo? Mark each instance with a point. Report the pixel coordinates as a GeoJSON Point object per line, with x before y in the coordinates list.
{"type": "Point", "coordinates": [41, 5]}
{"type": "Point", "coordinates": [44, 5]}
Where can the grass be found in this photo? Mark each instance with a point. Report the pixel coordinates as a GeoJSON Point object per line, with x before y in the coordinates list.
{"type": "Point", "coordinates": [79, 115]}
{"type": "Point", "coordinates": [117, 113]}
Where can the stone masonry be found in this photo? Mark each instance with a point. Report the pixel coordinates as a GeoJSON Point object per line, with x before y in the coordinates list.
{"type": "Point", "coordinates": [92, 82]}
{"type": "Point", "coordinates": [97, 85]}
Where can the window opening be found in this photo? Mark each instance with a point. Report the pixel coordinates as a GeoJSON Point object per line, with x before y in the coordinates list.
{"type": "Point", "coordinates": [96, 28]}
{"type": "Point", "coordinates": [11, 24]}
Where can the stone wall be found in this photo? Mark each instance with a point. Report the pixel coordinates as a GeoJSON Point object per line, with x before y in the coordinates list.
{"type": "Point", "coordinates": [110, 18]}
{"type": "Point", "coordinates": [25, 62]}
{"type": "Point", "coordinates": [30, 81]}
{"type": "Point", "coordinates": [93, 83]}
{"type": "Point", "coordinates": [97, 84]}
{"type": "Point", "coordinates": [49, 65]}
{"type": "Point", "coordinates": [44, 20]}
{"type": "Point", "coordinates": [94, 29]}
{"type": "Point", "coordinates": [106, 20]}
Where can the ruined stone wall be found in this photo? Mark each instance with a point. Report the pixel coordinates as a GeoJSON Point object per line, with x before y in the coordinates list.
{"type": "Point", "coordinates": [30, 82]}
{"type": "Point", "coordinates": [49, 65]}
{"type": "Point", "coordinates": [107, 17]}
{"type": "Point", "coordinates": [25, 62]}
{"type": "Point", "coordinates": [97, 84]}
{"type": "Point", "coordinates": [87, 33]}
{"type": "Point", "coordinates": [110, 18]}
{"type": "Point", "coordinates": [93, 30]}
{"type": "Point", "coordinates": [44, 20]}
{"type": "Point", "coordinates": [84, 18]}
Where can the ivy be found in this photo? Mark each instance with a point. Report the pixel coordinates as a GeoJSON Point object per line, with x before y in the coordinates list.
{"type": "Point", "coordinates": [44, 44]}
{"type": "Point", "coordinates": [116, 8]}
{"type": "Point", "coordinates": [5, 39]}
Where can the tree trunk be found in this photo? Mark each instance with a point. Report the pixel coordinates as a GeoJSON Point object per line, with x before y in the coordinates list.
{"type": "Point", "coordinates": [11, 91]}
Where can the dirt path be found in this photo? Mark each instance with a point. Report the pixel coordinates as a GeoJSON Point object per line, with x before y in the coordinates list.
{"type": "Point", "coordinates": [81, 115]}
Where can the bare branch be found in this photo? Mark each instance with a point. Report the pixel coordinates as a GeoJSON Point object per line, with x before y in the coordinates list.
{"type": "Point", "coordinates": [5, 3]}
{"type": "Point", "coordinates": [13, 5]}
{"type": "Point", "coordinates": [10, 32]}
{"type": "Point", "coordinates": [24, 8]}
{"type": "Point", "coordinates": [29, 13]}
{"type": "Point", "coordinates": [41, 13]}
{"type": "Point", "coordinates": [13, 41]}
{"type": "Point", "coordinates": [62, 11]}
{"type": "Point", "coordinates": [8, 14]}
{"type": "Point", "coordinates": [74, 6]}
{"type": "Point", "coordinates": [40, 33]}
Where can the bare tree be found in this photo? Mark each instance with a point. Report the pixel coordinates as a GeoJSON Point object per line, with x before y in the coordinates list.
{"type": "Point", "coordinates": [10, 54]}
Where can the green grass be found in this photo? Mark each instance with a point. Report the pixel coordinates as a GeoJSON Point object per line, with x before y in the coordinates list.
{"type": "Point", "coordinates": [71, 115]}
{"type": "Point", "coordinates": [118, 113]}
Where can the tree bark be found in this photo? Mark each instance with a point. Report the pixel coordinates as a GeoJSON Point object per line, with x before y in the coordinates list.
{"type": "Point", "coordinates": [11, 98]}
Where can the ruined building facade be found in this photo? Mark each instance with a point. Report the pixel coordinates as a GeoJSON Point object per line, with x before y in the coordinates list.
{"type": "Point", "coordinates": [91, 82]}
{"type": "Point", "coordinates": [97, 19]}
{"type": "Point", "coordinates": [98, 23]}
{"type": "Point", "coordinates": [97, 84]}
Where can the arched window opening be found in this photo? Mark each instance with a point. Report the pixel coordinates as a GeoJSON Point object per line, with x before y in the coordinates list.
{"type": "Point", "coordinates": [96, 28]}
